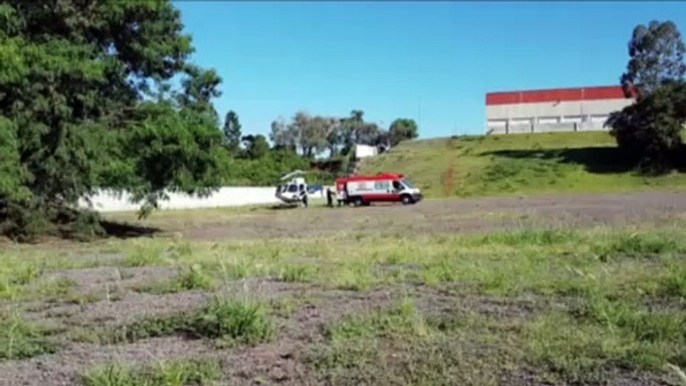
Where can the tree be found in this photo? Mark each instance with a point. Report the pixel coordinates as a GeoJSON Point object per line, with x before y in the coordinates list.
{"type": "Point", "coordinates": [315, 135]}
{"type": "Point", "coordinates": [354, 129]}
{"type": "Point", "coordinates": [368, 134]}
{"type": "Point", "coordinates": [649, 131]}
{"type": "Point", "coordinates": [383, 138]}
{"type": "Point", "coordinates": [657, 57]}
{"type": "Point", "coordinates": [232, 132]}
{"type": "Point", "coordinates": [402, 129]}
{"type": "Point", "coordinates": [256, 146]}
{"type": "Point", "coordinates": [86, 102]}
{"type": "Point", "coordinates": [310, 133]}
{"type": "Point", "coordinates": [283, 136]}
{"type": "Point", "coordinates": [334, 138]}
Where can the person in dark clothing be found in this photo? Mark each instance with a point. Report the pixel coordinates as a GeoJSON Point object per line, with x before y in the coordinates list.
{"type": "Point", "coordinates": [329, 197]}
{"type": "Point", "coordinates": [303, 193]}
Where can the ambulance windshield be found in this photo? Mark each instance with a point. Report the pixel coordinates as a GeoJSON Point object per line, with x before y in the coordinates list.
{"type": "Point", "coordinates": [408, 184]}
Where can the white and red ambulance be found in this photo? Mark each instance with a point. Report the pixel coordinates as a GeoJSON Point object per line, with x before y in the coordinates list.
{"type": "Point", "coordinates": [383, 187]}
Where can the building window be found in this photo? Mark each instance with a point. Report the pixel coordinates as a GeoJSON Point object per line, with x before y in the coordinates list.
{"type": "Point", "coordinates": [497, 123]}
{"type": "Point", "coordinates": [548, 120]}
{"type": "Point", "coordinates": [521, 122]}
{"type": "Point", "coordinates": [599, 118]}
{"type": "Point", "coordinates": [573, 119]}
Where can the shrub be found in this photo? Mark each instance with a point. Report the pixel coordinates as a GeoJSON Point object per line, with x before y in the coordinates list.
{"type": "Point", "coordinates": [228, 321]}
{"type": "Point", "coordinates": [177, 373]}
{"type": "Point", "coordinates": [20, 339]}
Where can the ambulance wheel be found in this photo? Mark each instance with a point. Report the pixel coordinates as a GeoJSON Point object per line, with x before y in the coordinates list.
{"type": "Point", "coordinates": [406, 200]}
{"type": "Point", "coordinates": [358, 201]}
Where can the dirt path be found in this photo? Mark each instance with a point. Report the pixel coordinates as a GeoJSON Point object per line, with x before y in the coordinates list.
{"type": "Point", "coordinates": [447, 216]}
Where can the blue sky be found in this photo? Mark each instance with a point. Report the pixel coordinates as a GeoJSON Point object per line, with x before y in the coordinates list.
{"type": "Point", "coordinates": [433, 62]}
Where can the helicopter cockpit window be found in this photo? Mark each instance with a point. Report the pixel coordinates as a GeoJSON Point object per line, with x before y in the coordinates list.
{"type": "Point", "coordinates": [292, 188]}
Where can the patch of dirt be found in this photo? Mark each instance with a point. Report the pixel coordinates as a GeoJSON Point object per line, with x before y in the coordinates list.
{"type": "Point", "coordinates": [134, 306]}
{"type": "Point", "coordinates": [98, 259]}
{"type": "Point", "coordinates": [102, 288]}
{"type": "Point", "coordinates": [133, 276]}
{"type": "Point", "coordinates": [448, 216]}
{"type": "Point", "coordinates": [260, 289]}
{"type": "Point", "coordinates": [63, 368]}
{"type": "Point", "coordinates": [126, 305]}
{"type": "Point", "coordinates": [276, 363]}
{"type": "Point", "coordinates": [104, 278]}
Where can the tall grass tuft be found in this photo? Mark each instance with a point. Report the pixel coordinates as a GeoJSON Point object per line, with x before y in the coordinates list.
{"type": "Point", "coordinates": [175, 373]}
{"type": "Point", "coordinates": [530, 237]}
{"type": "Point", "coordinates": [681, 375]}
{"type": "Point", "coordinates": [144, 256]}
{"type": "Point", "coordinates": [20, 339]}
{"type": "Point", "coordinates": [639, 245]}
{"type": "Point", "coordinates": [402, 318]}
{"type": "Point", "coordinates": [229, 322]}
{"type": "Point", "coordinates": [188, 278]}
{"type": "Point", "coordinates": [233, 321]}
{"type": "Point", "coordinates": [296, 273]}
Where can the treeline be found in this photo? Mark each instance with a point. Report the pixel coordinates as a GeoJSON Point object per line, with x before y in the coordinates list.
{"type": "Point", "coordinates": [305, 142]}
{"type": "Point", "coordinates": [649, 132]}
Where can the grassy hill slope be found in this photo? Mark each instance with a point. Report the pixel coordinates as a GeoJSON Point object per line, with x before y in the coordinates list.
{"type": "Point", "coordinates": [517, 164]}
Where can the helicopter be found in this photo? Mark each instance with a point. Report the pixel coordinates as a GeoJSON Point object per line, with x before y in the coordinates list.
{"type": "Point", "coordinates": [293, 189]}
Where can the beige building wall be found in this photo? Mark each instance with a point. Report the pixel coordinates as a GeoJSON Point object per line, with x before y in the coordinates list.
{"type": "Point", "coordinates": [551, 116]}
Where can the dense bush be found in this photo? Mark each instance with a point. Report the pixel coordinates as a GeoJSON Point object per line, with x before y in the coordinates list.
{"type": "Point", "coordinates": [649, 131]}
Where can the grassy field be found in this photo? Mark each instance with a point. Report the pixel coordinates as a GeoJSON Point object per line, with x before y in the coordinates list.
{"type": "Point", "coordinates": [529, 304]}
{"type": "Point", "coordinates": [517, 164]}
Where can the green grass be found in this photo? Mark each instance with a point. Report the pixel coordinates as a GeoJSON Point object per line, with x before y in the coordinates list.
{"type": "Point", "coordinates": [402, 318]}
{"type": "Point", "coordinates": [188, 278]}
{"type": "Point", "coordinates": [680, 374]}
{"type": "Point", "coordinates": [571, 305]}
{"type": "Point", "coordinates": [399, 345]}
{"type": "Point", "coordinates": [172, 373]}
{"type": "Point", "coordinates": [543, 261]}
{"type": "Point", "coordinates": [574, 346]}
{"type": "Point", "coordinates": [227, 322]}
{"type": "Point", "coordinates": [296, 273]}
{"type": "Point", "coordinates": [21, 339]}
{"type": "Point", "coordinates": [143, 256]}
{"type": "Point", "coordinates": [517, 164]}
{"type": "Point", "coordinates": [577, 345]}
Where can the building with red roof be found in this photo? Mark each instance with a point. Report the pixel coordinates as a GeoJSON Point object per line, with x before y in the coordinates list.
{"type": "Point", "coordinates": [568, 109]}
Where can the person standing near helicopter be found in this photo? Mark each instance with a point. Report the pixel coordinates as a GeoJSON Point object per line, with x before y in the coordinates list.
{"type": "Point", "coordinates": [303, 195]}
{"type": "Point", "coordinates": [329, 197]}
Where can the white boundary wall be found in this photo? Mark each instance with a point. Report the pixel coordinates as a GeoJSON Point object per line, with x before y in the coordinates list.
{"type": "Point", "coordinates": [108, 201]}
